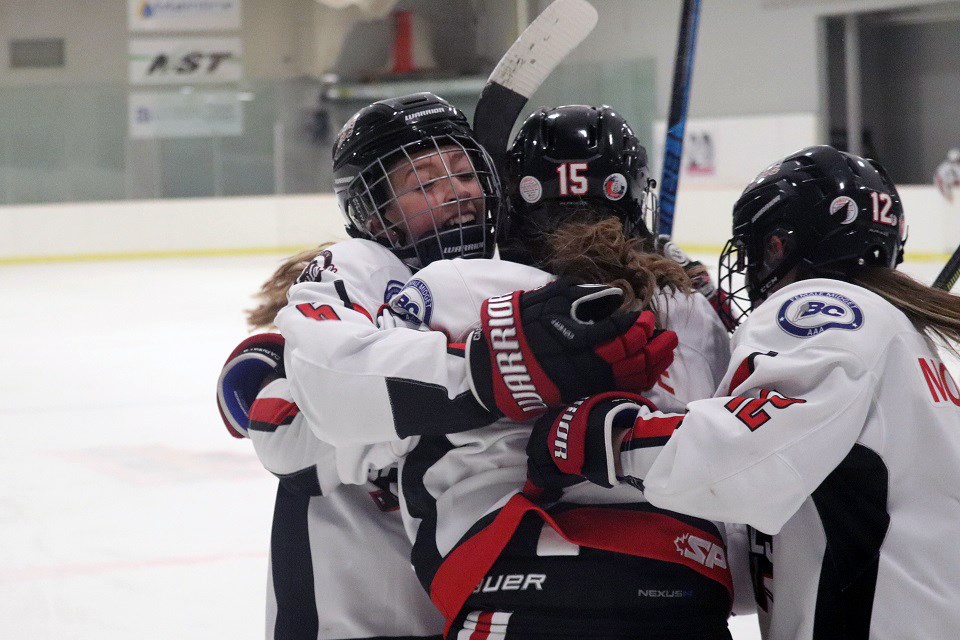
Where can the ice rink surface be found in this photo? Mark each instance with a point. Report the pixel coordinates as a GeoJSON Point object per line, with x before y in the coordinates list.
{"type": "Point", "coordinates": [126, 511]}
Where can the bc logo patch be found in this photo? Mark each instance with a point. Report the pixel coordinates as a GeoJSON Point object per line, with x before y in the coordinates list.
{"type": "Point", "coordinates": [810, 314]}
{"type": "Point", "coordinates": [393, 288]}
{"type": "Point", "coordinates": [414, 303]}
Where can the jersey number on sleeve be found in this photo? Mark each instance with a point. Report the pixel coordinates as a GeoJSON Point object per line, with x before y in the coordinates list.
{"type": "Point", "coordinates": [751, 411]}
{"type": "Point", "coordinates": [321, 312]}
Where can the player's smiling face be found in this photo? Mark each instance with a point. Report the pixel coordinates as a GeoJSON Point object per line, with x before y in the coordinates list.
{"type": "Point", "coordinates": [436, 189]}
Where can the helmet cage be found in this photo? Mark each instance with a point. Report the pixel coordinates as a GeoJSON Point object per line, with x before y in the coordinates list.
{"type": "Point", "coordinates": [751, 265]}
{"type": "Point", "coordinates": [462, 225]}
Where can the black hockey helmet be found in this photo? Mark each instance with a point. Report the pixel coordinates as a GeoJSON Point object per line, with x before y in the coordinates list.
{"type": "Point", "coordinates": [821, 210]}
{"type": "Point", "coordinates": [575, 155]}
{"type": "Point", "coordinates": [410, 175]}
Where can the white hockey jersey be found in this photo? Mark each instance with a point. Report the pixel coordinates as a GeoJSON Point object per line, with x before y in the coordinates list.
{"type": "Point", "coordinates": [836, 433]}
{"type": "Point", "coordinates": [339, 556]}
{"type": "Point", "coordinates": [356, 383]}
{"type": "Point", "coordinates": [450, 482]}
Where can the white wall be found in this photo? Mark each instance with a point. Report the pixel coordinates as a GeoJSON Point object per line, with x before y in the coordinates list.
{"type": "Point", "coordinates": [138, 228]}
{"type": "Point", "coordinates": [753, 56]}
{"type": "Point", "coordinates": [239, 225]}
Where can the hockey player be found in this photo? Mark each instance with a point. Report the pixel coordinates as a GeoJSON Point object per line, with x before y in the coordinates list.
{"type": "Point", "coordinates": [336, 550]}
{"type": "Point", "coordinates": [589, 563]}
{"type": "Point", "coordinates": [411, 179]}
{"type": "Point", "coordinates": [337, 545]}
{"type": "Point", "coordinates": [415, 187]}
{"type": "Point", "coordinates": [835, 432]}
{"type": "Point", "coordinates": [947, 177]}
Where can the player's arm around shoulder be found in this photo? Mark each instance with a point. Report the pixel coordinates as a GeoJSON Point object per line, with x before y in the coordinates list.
{"type": "Point", "coordinates": [358, 384]}
{"type": "Point", "coordinates": [286, 447]}
{"type": "Point", "coordinates": [255, 402]}
{"type": "Point", "coordinates": [790, 407]}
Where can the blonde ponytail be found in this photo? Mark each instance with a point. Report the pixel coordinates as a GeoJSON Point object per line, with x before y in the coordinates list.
{"type": "Point", "coordinates": [272, 295]}
{"type": "Point", "coordinates": [932, 311]}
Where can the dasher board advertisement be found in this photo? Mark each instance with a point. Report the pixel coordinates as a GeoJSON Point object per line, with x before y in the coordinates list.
{"type": "Point", "coordinates": [183, 15]}
{"type": "Point", "coordinates": [155, 61]}
{"type": "Point", "coordinates": [176, 114]}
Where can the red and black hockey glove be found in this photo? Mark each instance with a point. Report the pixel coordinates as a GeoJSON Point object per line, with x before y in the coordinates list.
{"type": "Point", "coordinates": [546, 348]}
{"type": "Point", "coordinates": [252, 364]}
{"type": "Point", "coordinates": [582, 441]}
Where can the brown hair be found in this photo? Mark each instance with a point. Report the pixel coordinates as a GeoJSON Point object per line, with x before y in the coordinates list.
{"type": "Point", "coordinates": [272, 295]}
{"type": "Point", "coordinates": [597, 250]}
{"type": "Point", "coordinates": [932, 311]}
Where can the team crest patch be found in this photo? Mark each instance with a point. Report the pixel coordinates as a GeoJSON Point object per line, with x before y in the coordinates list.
{"type": "Point", "coordinates": [846, 204]}
{"type": "Point", "coordinates": [810, 314]}
{"type": "Point", "coordinates": [414, 303]}
{"type": "Point", "coordinates": [615, 186]}
{"type": "Point", "coordinates": [393, 288]}
{"type": "Point", "coordinates": [530, 189]}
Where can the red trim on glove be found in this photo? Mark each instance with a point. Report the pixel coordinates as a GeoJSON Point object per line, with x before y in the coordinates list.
{"type": "Point", "coordinates": [654, 427]}
{"type": "Point", "coordinates": [522, 390]}
{"type": "Point", "coordinates": [255, 340]}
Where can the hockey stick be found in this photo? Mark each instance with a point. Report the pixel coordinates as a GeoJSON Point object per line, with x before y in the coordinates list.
{"type": "Point", "coordinates": [950, 272]}
{"type": "Point", "coordinates": [523, 68]}
{"type": "Point", "coordinates": [679, 100]}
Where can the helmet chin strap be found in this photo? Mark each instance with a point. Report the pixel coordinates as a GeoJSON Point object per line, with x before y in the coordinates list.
{"type": "Point", "coordinates": [469, 241]}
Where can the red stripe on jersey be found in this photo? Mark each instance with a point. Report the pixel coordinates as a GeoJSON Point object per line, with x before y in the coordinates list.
{"type": "Point", "coordinates": [482, 631]}
{"type": "Point", "coordinates": [465, 566]}
{"type": "Point", "coordinates": [319, 312]}
{"type": "Point", "coordinates": [742, 373]}
{"type": "Point", "coordinates": [360, 309]}
{"type": "Point", "coordinates": [746, 368]}
{"type": "Point", "coordinates": [273, 410]}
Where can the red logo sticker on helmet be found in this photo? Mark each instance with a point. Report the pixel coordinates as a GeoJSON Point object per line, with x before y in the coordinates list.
{"type": "Point", "coordinates": [615, 186]}
{"type": "Point", "coordinates": [841, 202]}
{"type": "Point", "coordinates": [530, 189]}
{"type": "Point", "coordinates": [346, 130]}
